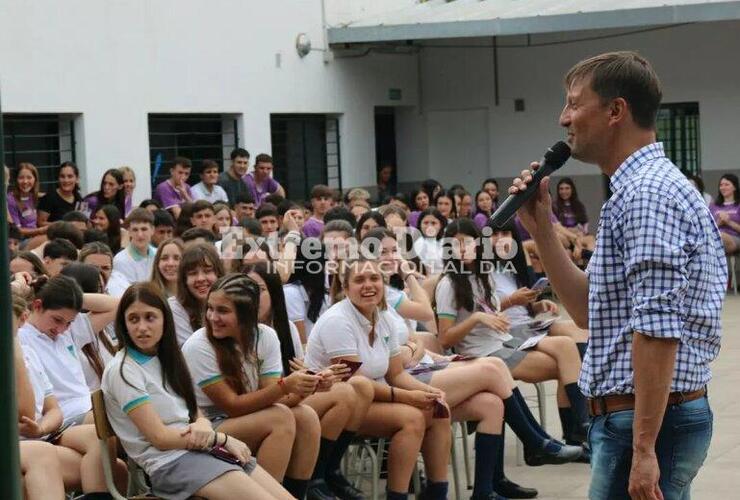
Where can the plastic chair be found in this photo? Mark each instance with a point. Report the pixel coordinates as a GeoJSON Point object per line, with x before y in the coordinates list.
{"type": "Point", "coordinates": [106, 435]}
{"type": "Point", "coordinates": [541, 406]}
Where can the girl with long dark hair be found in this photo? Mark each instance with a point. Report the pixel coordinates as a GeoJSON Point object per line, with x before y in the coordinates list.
{"type": "Point", "coordinates": [726, 212]}
{"type": "Point", "coordinates": [428, 247]}
{"type": "Point", "coordinates": [483, 208]}
{"type": "Point", "coordinates": [471, 320]}
{"type": "Point", "coordinates": [239, 384]}
{"type": "Point", "coordinates": [445, 203]}
{"type": "Point", "coordinates": [107, 218]}
{"type": "Point", "coordinates": [152, 408]}
{"type": "Point", "coordinates": [571, 214]}
{"type": "Point", "coordinates": [199, 269]}
{"type": "Point", "coordinates": [23, 199]}
{"type": "Point", "coordinates": [340, 406]}
{"type": "Point", "coordinates": [111, 192]}
{"type": "Point", "coordinates": [64, 198]}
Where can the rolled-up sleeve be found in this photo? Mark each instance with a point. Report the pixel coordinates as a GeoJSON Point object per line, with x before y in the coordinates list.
{"type": "Point", "coordinates": [657, 235]}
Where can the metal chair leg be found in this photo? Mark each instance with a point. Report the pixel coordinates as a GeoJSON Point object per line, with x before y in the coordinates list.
{"type": "Point", "coordinates": [453, 458]}
{"type": "Point", "coordinates": [466, 455]}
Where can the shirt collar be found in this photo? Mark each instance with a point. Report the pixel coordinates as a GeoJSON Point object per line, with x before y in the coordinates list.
{"type": "Point", "coordinates": [633, 163]}
{"type": "Point", "coordinates": [134, 253]}
{"type": "Point", "coordinates": [138, 356]}
{"type": "Point", "coordinates": [365, 323]}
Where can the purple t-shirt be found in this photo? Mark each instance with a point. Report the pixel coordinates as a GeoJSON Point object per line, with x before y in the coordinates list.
{"type": "Point", "coordinates": [413, 218]}
{"type": "Point", "coordinates": [480, 220]}
{"type": "Point", "coordinates": [313, 227]}
{"type": "Point", "coordinates": [22, 214]}
{"type": "Point", "coordinates": [734, 212]}
{"type": "Point", "coordinates": [92, 203]}
{"type": "Point", "coordinates": [128, 205]}
{"type": "Point", "coordinates": [262, 191]}
{"type": "Point", "coordinates": [168, 196]}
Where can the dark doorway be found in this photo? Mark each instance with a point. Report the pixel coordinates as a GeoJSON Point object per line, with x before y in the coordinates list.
{"type": "Point", "coordinates": [385, 142]}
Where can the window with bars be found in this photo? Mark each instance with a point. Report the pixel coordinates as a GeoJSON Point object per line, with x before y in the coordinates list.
{"type": "Point", "coordinates": [197, 137]}
{"type": "Point", "coordinates": [305, 152]}
{"type": "Point", "coordinates": [45, 140]}
{"type": "Point", "coordinates": [678, 129]}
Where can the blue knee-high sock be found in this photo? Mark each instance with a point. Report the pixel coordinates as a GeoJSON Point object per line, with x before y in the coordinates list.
{"type": "Point", "coordinates": [296, 487]}
{"type": "Point", "coordinates": [488, 449]}
{"type": "Point", "coordinates": [395, 495]}
{"type": "Point", "coordinates": [325, 450]}
{"type": "Point", "coordinates": [582, 346]}
{"type": "Point", "coordinates": [517, 419]}
{"type": "Point", "coordinates": [577, 403]}
{"type": "Point", "coordinates": [525, 409]}
{"type": "Point", "coordinates": [435, 490]}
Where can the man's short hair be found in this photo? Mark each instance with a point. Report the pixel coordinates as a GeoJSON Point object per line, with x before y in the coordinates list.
{"type": "Point", "coordinates": [141, 215]}
{"type": "Point", "coordinates": [200, 205]}
{"type": "Point", "coordinates": [263, 158]}
{"type": "Point", "coordinates": [251, 225]}
{"type": "Point", "coordinates": [75, 216]}
{"type": "Point", "coordinates": [92, 234]}
{"type": "Point", "coordinates": [149, 202]}
{"type": "Point", "coordinates": [266, 210]}
{"type": "Point", "coordinates": [163, 218]}
{"type": "Point", "coordinates": [66, 230]}
{"type": "Point", "coordinates": [239, 153]}
{"type": "Point", "coordinates": [198, 232]}
{"type": "Point", "coordinates": [287, 205]}
{"type": "Point", "coordinates": [182, 161]}
{"type": "Point", "coordinates": [208, 165]}
{"type": "Point", "coordinates": [273, 199]}
{"type": "Point", "coordinates": [322, 191]}
{"type": "Point", "coordinates": [59, 248]}
{"type": "Point", "coordinates": [340, 213]}
{"type": "Point", "coordinates": [243, 197]}
{"type": "Point", "coordinates": [622, 74]}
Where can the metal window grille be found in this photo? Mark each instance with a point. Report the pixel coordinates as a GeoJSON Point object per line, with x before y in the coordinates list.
{"type": "Point", "coordinates": [46, 140]}
{"type": "Point", "coordinates": [197, 137]}
{"type": "Point", "coordinates": [306, 152]}
{"type": "Point", "coordinates": [678, 129]}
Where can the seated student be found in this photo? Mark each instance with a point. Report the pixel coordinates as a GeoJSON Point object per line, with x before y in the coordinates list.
{"type": "Point", "coordinates": [368, 221]}
{"type": "Point", "coordinates": [222, 218]}
{"type": "Point", "coordinates": [164, 227]}
{"type": "Point", "coordinates": [134, 263]}
{"type": "Point", "coordinates": [94, 235]}
{"type": "Point", "coordinates": [166, 263]}
{"type": "Point", "coordinates": [267, 215]}
{"type": "Point", "coordinates": [260, 182]}
{"type": "Point", "coordinates": [428, 248]}
{"type": "Point", "coordinates": [56, 230]}
{"type": "Point", "coordinates": [88, 328]}
{"type": "Point", "coordinates": [445, 203]}
{"type": "Point", "coordinates": [321, 199]}
{"type": "Point", "coordinates": [129, 185]}
{"type": "Point", "coordinates": [107, 218]}
{"type": "Point", "coordinates": [293, 210]}
{"type": "Point", "coordinates": [111, 193]}
{"type": "Point", "coordinates": [469, 321]}
{"type": "Point", "coordinates": [23, 199]}
{"type": "Point", "coordinates": [231, 179]}
{"type": "Point", "coordinates": [340, 406]}
{"type": "Point", "coordinates": [483, 208]}
{"type": "Point", "coordinates": [726, 212]}
{"type": "Point", "coordinates": [395, 217]}
{"type": "Point", "coordinates": [77, 219]}
{"type": "Point", "coordinates": [354, 329]}
{"type": "Point", "coordinates": [151, 205]}
{"type": "Point", "coordinates": [490, 186]}
{"type": "Point", "coordinates": [419, 202]}
{"type": "Point", "coordinates": [571, 214]}
{"type": "Point", "coordinates": [14, 238]}
{"type": "Point", "coordinates": [464, 203]}
{"type": "Point", "coordinates": [151, 406]}
{"type": "Point", "coordinates": [340, 213]}
{"type": "Point", "coordinates": [175, 191]}
{"type": "Point", "coordinates": [201, 215]}
{"type": "Point", "coordinates": [236, 367]}
{"type": "Point", "coordinates": [64, 198]}
{"type": "Point", "coordinates": [198, 235]}
{"type": "Point", "coordinates": [208, 189]}
{"type": "Point", "coordinates": [72, 458]}
{"type": "Point", "coordinates": [199, 269]}
{"type": "Point", "coordinates": [359, 208]}
{"type": "Point", "coordinates": [243, 206]}
{"type": "Point", "coordinates": [274, 199]}
{"type": "Point", "coordinates": [519, 302]}
{"type": "Point", "coordinates": [57, 254]}
{"type": "Point", "coordinates": [99, 255]}
{"type": "Point", "coordinates": [27, 262]}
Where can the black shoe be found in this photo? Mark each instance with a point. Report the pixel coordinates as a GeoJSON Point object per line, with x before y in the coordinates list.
{"type": "Point", "coordinates": [342, 488]}
{"type": "Point", "coordinates": [319, 490]}
{"type": "Point", "coordinates": [551, 453]}
{"type": "Point", "coordinates": [510, 489]}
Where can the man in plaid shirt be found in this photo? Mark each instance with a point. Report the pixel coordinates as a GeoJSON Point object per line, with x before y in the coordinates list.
{"type": "Point", "coordinates": [652, 294]}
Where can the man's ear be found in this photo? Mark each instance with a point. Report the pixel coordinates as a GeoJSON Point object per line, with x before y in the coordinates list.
{"type": "Point", "coordinates": [619, 111]}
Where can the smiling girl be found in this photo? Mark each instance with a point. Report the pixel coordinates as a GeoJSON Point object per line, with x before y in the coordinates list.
{"type": "Point", "coordinates": [23, 199]}
{"type": "Point", "coordinates": [65, 198]}
{"type": "Point", "coordinates": [111, 192]}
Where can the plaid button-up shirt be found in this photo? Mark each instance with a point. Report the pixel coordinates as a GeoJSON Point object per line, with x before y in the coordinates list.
{"type": "Point", "coordinates": [659, 269]}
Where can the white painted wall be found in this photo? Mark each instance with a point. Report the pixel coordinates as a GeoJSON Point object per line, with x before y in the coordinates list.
{"type": "Point", "coordinates": [113, 62]}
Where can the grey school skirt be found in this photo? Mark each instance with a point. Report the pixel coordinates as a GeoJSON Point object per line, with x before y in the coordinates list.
{"type": "Point", "coordinates": [181, 478]}
{"type": "Point", "coordinates": [509, 353]}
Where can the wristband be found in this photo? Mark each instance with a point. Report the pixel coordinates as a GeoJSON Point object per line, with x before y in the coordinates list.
{"type": "Point", "coordinates": [281, 383]}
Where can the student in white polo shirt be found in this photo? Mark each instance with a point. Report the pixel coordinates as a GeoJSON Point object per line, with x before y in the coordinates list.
{"type": "Point", "coordinates": [134, 263]}
{"type": "Point", "coordinates": [52, 364]}
{"type": "Point", "coordinates": [306, 296]}
{"type": "Point", "coordinates": [199, 269]}
{"type": "Point", "coordinates": [151, 406]}
{"type": "Point", "coordinates": [238, 374]}
{"type": "Point", "coordinates": [341, 406]}
{"type": "Point", "coordinates": [355, 330]}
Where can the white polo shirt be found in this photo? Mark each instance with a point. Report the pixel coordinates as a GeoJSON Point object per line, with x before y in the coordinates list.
{"type": "Point", "coordinates": [42, 387]}
{"type": "Point", "coordinates": [133, 266]}
{"type": "Point", "coordinates": [60, 360]}
{"type": "Point", "coordinates": [296, 338]}
{"type": "Point", "coordinates": [343, 331]}
{"type": "Point", "coordinates": [143, 384]}
{"type": "Point", "coordinates": [203, 365]}
{"type": "Point", "coordinates": [481, 341]}
{"type": "Point", "coordinates": [505, 286]}
{"type": "Point", "coordinates": [82, 334]}
{"type": "Point", "coordinates": [297, 303]}
{"type": "Point", "coordinates": [183, 328]}
{"type": "Point", "coordinates": [201, 192]}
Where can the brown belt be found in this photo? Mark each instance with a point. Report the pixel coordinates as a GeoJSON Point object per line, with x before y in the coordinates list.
{"type": "Point", "coordinates": [621, 402]}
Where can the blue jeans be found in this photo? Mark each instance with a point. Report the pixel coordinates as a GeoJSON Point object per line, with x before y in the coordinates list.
{"type": "Point", "coordinates": [681, 448]}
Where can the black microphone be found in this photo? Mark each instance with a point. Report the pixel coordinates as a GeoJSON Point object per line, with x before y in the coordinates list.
{"type": "Point", "coordinates": [554, 158]}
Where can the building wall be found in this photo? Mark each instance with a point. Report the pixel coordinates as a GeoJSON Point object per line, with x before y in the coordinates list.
{"type": "Point", "coordinates": [112, 63]}
{"type": "Point", "coordinates": [694, 63]}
